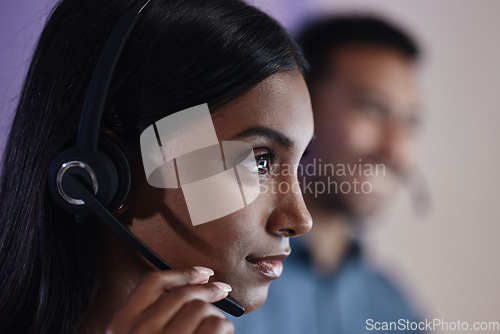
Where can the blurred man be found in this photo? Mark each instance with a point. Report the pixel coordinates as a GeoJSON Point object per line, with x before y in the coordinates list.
{"type": "Point", "coordinates": [362, 84]}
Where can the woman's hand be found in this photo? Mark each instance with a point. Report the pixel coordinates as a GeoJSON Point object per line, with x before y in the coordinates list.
{"type": "Point", "coordinates": [176, 302]}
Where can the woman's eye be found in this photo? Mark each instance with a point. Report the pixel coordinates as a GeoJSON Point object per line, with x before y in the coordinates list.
{"type": "Point", "coordinates": [264, 161]}
{"type": "Point", "coordinates": [262, 165]}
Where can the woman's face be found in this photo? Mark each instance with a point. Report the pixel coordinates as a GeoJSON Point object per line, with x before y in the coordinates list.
{"type": "Point", "coordinates": [244, 248]}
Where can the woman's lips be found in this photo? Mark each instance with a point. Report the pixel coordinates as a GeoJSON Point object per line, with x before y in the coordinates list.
{"type": "Point", "coordinates": [269, 266]}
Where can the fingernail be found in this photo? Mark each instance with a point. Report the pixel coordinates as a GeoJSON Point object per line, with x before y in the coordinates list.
{"type": "Point", "coordinates": [204, 271]}
{"type": "Point", "coordinates": [223, 286]}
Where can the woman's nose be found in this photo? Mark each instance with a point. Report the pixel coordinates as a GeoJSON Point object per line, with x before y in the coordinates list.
{"type": "Point", "coordinates": [291, 217]}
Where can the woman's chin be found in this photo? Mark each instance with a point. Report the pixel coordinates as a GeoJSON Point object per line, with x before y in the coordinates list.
{"type": "Point", "coordinates": [252, 298]}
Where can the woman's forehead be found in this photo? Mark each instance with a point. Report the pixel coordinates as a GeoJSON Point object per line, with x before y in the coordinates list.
{"type": "Point", "coordinates": [280, 102]}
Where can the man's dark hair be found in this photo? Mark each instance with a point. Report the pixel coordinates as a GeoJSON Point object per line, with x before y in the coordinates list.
{"type": "Point", "coordinates": [321, 38]}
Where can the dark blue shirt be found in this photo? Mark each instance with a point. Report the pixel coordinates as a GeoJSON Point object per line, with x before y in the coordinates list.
{"type": "Point", "coordinates": [303, 302]}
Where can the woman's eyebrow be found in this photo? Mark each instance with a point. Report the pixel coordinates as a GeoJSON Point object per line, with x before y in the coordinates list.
{"type": "Point", "coordinates": [274, 135]}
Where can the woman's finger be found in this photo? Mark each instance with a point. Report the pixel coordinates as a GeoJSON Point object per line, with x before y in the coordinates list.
{"type": "Point", "coordinates": [154, 285]}
{"type": "Point", "coordinates": [215, 325]}
{"type": "Point", "coordinates": [165, 309]}
{"type": "Point", "coordinates": [191, 315]}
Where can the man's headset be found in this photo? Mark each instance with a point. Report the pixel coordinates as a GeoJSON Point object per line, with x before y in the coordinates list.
{"type": "Point", "coordinates": [99, 163]}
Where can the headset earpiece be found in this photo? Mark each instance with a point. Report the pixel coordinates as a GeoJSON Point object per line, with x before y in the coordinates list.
{"type": "Point", "coordinates": [106, 174]}
{"type": "Point", "coordinates": [112, 149]}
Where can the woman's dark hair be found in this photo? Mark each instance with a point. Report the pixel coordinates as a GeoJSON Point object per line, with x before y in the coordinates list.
{"type": "Point", "coordinates": [180, 54]}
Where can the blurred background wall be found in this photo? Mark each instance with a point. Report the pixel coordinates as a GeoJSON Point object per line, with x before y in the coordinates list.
{"type": "Point", "coordinates": [448, 260]}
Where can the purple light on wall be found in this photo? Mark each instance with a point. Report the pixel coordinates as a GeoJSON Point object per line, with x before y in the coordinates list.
{"type": "Point", "coordinates": [21, 22]}
{"type": "Point", "coordinates": [291, 14]}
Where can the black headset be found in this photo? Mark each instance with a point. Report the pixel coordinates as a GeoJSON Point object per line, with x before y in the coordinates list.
{"type": "Point", "coordinates": [99, 163]}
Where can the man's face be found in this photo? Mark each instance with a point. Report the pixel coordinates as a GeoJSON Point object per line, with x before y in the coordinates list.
{"type": "Point", "coordinates": [365, 120]}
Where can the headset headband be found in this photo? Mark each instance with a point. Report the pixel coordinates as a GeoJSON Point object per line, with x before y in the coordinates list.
{"type": "Point", "coordinates": [93, 106]}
